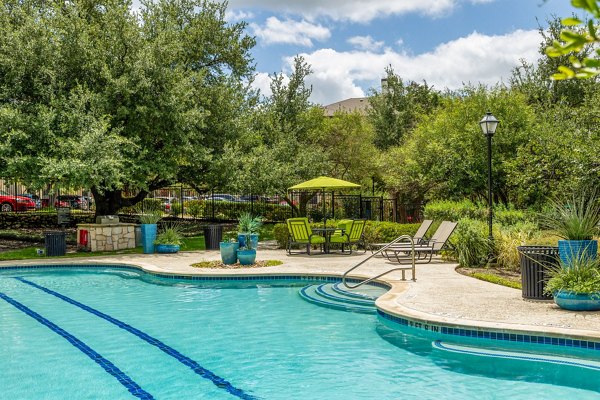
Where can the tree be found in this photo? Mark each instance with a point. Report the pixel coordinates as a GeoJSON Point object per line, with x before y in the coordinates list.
{"type": "Point", "coordinates": [281, 147]}
{"type": "Point", "coordinates": [574, 42]}
{"type": "Point", "coordinates": [534, 80]}
{"type": "Point", "coordinates": [397, 109]}
{"type": "Point", "coordinates": [95, 95]}
{"type": "Point", "coordinates": [446, 157]}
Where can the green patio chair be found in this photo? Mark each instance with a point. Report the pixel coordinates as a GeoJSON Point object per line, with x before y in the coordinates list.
{"type": "Point", "coordinates": [351, 235]}
{"type": "Point", "coordinates": [300, 234]}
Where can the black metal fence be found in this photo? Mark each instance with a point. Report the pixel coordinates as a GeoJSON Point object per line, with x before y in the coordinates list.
{"type": "Point", "coordinates": [183, 202]}
{"type": "Point", "coordinates": [15, 197]}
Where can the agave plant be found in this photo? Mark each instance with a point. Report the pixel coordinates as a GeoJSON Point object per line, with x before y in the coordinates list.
{"type": "Point", "coordinates": [576, 219]}
{"type": "Point", "coordinates": [249, 223]}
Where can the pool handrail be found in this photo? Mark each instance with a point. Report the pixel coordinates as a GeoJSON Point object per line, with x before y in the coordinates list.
{"type": "Point", "coordinates": [398, 239]}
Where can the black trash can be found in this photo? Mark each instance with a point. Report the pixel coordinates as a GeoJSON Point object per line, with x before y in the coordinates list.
{"type": "Point", "coordinates": [56, 243]}
{"type": "Point", "coordinates": [535, 264]}
{"type": "Point", "coordinates": [213, 234]}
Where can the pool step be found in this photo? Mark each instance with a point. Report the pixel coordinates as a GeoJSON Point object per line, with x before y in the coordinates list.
{"type": "Point", "coordinates": [369, 292]}
{"type": "Point", "coordinates": [324, 295]}
{"type": "Point", "coordinates": [515, 355]}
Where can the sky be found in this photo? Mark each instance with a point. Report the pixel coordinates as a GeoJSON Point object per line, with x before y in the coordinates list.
{"type": "Point", "coordinates": [349, 43]}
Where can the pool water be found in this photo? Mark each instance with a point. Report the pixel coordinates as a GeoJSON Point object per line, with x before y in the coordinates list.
{"type": "Point", "coordinates": [118, 334]}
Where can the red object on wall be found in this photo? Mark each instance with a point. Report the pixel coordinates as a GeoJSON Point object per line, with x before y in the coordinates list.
{"type": "Point", "coordinates": [83, 237]}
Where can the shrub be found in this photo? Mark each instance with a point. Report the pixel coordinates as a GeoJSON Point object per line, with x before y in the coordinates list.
{"type": "Point", "coordinates": [471, 242]}
{"type": "Point", "coordinates": [446, 210]}
{"type": "Point", "coordinates": [195, 208]}
{"type": "Point", "coordinates": [507, 241]}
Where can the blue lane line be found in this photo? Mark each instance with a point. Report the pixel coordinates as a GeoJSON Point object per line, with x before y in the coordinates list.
{"type": "Point", "coordinates": [197, 368]}
{"type": "Point", "coordinates": [108, 366]}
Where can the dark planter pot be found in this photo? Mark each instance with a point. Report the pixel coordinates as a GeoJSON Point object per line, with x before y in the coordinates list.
{"type": "Point", "coordinates": [577, 301]}
{"type": "Point", "coordinates": [574, 249]}
{"type": "Point", "coordinates": [167, 248]}
{"type": "Point", "coordinates": [253, 239]}
{"type": "Point", "coordinates": [148, 237]}
{"type": "Point", "coordinates": [246, 257]}
{"type": "Point", "coordinates": [229, 252]}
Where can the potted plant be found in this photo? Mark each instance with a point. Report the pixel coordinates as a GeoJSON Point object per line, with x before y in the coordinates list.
{"type": "Point", "coordinates": [576, 222]}
{"type": "Point", "coordinates": [149, 215]}
{"type": "Point", "coordinates": [229, 247]}
{"type": "Point", "coordinates": [169, 240]}
{"type": "Point", "coordinates": [577, 287]}
{"type": "Point", "coordinates": [248, 227]}
{"type": "Point", "coordinates": [247, 254]}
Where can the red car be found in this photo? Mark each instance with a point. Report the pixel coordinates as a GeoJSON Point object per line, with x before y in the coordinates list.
{"type": "Point", "coordinates": [9, 202]}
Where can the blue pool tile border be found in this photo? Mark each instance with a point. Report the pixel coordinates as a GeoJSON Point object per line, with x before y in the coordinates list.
{"type": "Point", "coordinates": [108, 366]}
{"type": "Point", "coordinates": [481, 333]}
{"type": "Point", "coordinates": [188, 362]}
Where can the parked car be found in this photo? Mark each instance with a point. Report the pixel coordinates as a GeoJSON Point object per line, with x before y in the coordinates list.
{"type": "Point", "coordinates": [35, 198]}
{"type": "Point", "coordinates": [72, 201]}
{"type": "Point", "coordinates": [222, 197]}
{"type": "Point", "coordinates": [255, 198]}
{"type": "Point", "coordinates": [10, 202]}
{"type": "Point", "coordinates": [166, 203]}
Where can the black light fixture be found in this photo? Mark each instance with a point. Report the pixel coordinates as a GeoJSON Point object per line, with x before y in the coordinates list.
{"type": "Point", "coordinates": [488, 124]}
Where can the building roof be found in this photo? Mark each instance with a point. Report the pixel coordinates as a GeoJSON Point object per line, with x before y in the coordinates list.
{"type": "Point", "coordinates": [356, 104]}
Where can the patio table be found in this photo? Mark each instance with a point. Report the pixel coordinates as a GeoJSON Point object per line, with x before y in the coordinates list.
{"type": "Point", "coordinates": [326, 233]}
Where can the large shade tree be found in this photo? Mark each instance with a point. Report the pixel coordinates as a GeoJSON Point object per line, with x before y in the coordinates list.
{"type": "Point", "coordinates": [94, 94]}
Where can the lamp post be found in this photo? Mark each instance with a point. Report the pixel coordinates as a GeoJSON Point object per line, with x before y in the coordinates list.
{"type": "Point", "coordinates": [488, 124]}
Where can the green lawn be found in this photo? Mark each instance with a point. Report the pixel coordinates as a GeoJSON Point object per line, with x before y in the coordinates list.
{"type": "Point", "coordinates": [189, 244]}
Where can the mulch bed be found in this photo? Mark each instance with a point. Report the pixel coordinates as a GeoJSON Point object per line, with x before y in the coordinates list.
{"type": "Point", "coordinates": [219, 264]}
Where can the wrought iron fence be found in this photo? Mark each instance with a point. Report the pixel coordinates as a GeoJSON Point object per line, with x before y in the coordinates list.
{"type": "Point", "coordinates": [183, 202]}
{"type": "Point", "coordinates": [15, 197]}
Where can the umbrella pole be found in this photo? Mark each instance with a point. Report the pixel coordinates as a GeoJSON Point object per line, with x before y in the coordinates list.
{"type": "Point", "coordinates": [324, 211]}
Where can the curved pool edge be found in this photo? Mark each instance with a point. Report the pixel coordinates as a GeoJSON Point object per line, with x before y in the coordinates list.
{"type": "Point", "coordinates": [388, 305]}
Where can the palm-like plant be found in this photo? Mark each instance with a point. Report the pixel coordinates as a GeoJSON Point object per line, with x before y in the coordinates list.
{"type": "Point", "coordinates": [249, 224]}
{"type": "Point", "coordinates": [576, 219]}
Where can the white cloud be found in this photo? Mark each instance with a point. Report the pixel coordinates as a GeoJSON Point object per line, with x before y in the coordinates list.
{"type": "Point", "coordinates": [365, 43]}
{"type": "Point", "coordinates": [475, 58]}
{"type": "Point", "coordinates": [290, 32]}
{"type": "Point", "coordinates": [262, 82]}
{"type": "Point", "coordinates": [238, 15]}
{"type": "Point", "coordinates": [354, 10]}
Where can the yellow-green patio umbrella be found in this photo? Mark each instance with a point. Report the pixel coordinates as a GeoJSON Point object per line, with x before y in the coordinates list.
{"type": "Point", "coordinates": [324, 183]}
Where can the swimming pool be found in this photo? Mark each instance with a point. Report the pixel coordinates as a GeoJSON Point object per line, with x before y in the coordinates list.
{"type": "Point", "coordinates": [117, 333]}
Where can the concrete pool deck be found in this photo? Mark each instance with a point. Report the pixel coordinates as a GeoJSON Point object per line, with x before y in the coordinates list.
{"type": "Point", "coordinates": [439, 296]}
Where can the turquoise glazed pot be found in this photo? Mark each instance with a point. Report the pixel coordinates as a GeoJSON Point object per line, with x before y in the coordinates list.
{"type": "Point", "coordinates": [253, 239]}
{"type": "Point", "coordinates": [574, 249]}
{"type": "Point", "coordinates": [246, 257]}
{"type": "Point", "coordinates": [577, 301]}
{"type": "Point", "coordinates": [229, 252]}
{"type": "Point", "coordinates": [167, 248]}
{"type": "Point", "coordinates": [148, 237]}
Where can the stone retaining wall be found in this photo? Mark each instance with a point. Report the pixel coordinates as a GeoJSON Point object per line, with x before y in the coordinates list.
{"type": "Point", "coordinates": [108, 237]}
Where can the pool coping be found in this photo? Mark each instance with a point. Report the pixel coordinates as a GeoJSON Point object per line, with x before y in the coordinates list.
{"type": "Point", "coordinates": [389, 305]}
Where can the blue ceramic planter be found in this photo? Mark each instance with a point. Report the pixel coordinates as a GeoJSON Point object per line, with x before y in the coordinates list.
{"type": "Point", "coordinates": [148, 237]}
{"type": "Point", "coordinates": [229, 252]}
{"type": "Point", "coordinates": [167, 248]}
{"type": "Point", "coordinates": [577, 301]}
{"type": "Point", "coordinates": [246, 257]}
{"type": "Point", "coordinates": [253, 239]}
{"type": "Point", "coordinates": [575, 249]}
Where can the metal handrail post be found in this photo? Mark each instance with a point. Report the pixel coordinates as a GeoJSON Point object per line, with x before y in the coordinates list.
{"type": "Point", "coordinates": [398, 239]}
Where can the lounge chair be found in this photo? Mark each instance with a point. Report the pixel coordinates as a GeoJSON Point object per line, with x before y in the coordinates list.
{"type": "Point", "coordinates": [419, 237]}
{"type": "Point", "coordinates": [300, 233]}
{"type": "Point", "coordinates": [424, 251]}
{"type": "Point", "coordinates": [352, 235]}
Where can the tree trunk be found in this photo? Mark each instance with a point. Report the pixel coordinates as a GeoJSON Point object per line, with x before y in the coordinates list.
{"type": "Point", "coordinates": [110, 202]}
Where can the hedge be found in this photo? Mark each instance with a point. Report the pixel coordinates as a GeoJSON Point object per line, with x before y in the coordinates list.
{"type": "Point", "coordinates": [375, 231]}
{"type": "Point", "coordinates": [446, 210]}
